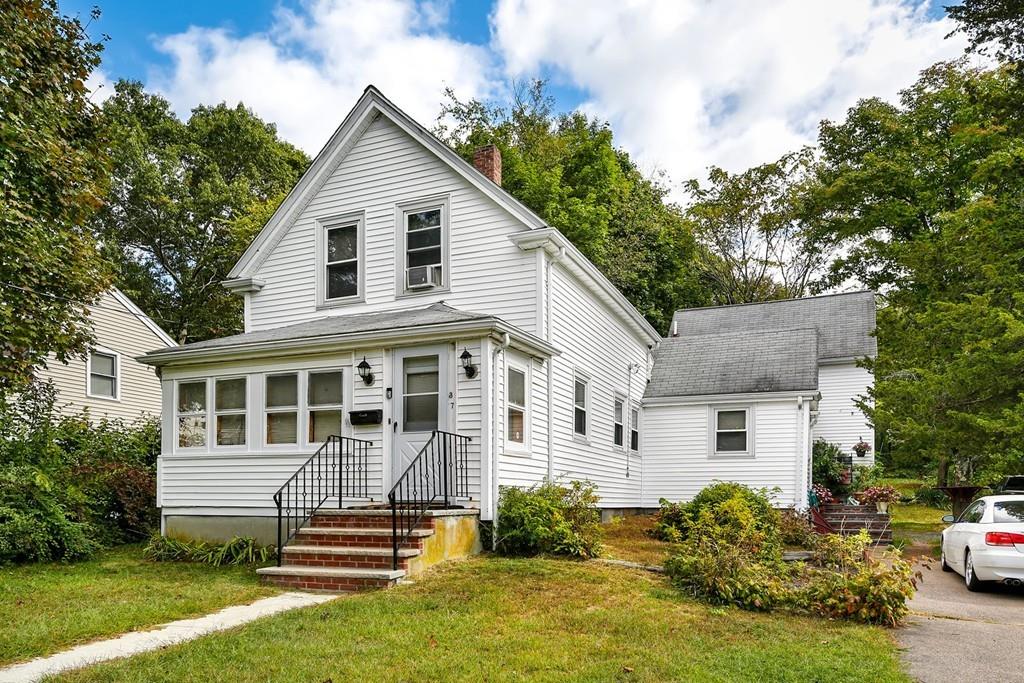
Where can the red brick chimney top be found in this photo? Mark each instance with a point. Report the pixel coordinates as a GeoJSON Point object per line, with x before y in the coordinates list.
{"type": "Point", "coordinates": [487, 160]}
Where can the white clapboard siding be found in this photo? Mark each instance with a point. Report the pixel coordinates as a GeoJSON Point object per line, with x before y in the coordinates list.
{"type": "Point", "coordinates": [840, 421]}
{"type": "Point", "coordinates": [594, 341]}
{"type": "Point", "coordinates": [677, 464]}
{"type": "Point", "coordinates": [468, 409]}
{"type": "Point", "coordinates": [519, 468]}
{"type": "Point", "coordinates": [117, 328]}
{"type": "Point", "coordinates": [385, 168]}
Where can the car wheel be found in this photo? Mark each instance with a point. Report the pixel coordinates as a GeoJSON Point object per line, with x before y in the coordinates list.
{"type": "Point", "coordinates": [942, 561]}
{"type": "Point", "coordinates": [970, 578]}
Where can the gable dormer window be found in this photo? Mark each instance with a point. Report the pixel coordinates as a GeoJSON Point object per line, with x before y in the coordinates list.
{"type": "Point", "coordinates": [340, 248]}
{"type": "Point", "coordinates": [424, 247]}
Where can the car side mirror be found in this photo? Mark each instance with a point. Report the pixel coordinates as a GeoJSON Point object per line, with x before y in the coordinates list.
{"type": "Point", "coordinates": [948, 519]}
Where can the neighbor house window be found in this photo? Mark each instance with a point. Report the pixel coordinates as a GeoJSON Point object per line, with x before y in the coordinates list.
{"type": "Point", "coordinates": [324, 398]}
{"type": "Point", "coordinates": [103, 379]}
{"type": "Point", "coordinates": [634, 429]}
{"type": "Point", "coordinates": [580, 405]}
{"type": "Point", "coordinates": [516, 423]}
{"type": "Point", "coordinates": [619, 426]}
{"type": "Point", "coordinates": [192, 414]}
{"type": "Point", "coordinates": [341, 260]}
{"type": "Point", "coordinates": [423, 240]}
{"type": "Point", "coordinates": [282, 408]}
{"type": "Point", "coordinates": [731, 430]}
{"type": "Point", "coordinates": [229, 411]}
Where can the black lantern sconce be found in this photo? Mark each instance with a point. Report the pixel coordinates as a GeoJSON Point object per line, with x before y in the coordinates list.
{"type": "Point", "coordinates": [365, 371]}
{"type": "Point", "coordinates": [467, 363]}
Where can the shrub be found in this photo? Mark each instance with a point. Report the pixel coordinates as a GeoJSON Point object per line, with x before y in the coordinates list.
{"type": "Point", "coordinates": [795, 530]}
{"type": "Point", "coordinates": [827, 466]}
{"type": "Point", "coordinates": [866, 476]}
{"type": "Point", "coordinates": [866, 591]}
{"type": "Point", "coordinates": [932, 498]}
{"type": "Point", "coordinates": [240, 550]}
{"type": "Point", "coordinates": [880, 494]}
{"type": "Point", "coordinates": [674, 519]}
{"type": "Point", "coordinates": [34, 527]}
{"type": "Point", "coordinates": [549, 519]}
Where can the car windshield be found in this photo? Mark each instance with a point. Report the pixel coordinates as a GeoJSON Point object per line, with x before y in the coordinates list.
{"type": "Point", "coordinates": [1008, 512]}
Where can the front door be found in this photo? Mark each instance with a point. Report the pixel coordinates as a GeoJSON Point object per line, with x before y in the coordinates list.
{"type": "Point", "coordinates": [421, 402]}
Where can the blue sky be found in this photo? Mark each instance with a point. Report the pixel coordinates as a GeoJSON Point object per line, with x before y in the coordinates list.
{"type": "Point", "coordinates": [685, 84]}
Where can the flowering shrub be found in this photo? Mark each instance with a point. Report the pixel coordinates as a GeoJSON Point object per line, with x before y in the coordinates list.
{"type": "Point", "coordinates": [879, 494]}
{"type": "Point", "coordinates": [823, 494]}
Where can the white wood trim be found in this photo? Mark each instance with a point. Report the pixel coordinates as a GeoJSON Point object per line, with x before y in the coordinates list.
{"type": "Point", "coordinates": [443, 202]}
{"type": "Point", "coordinates": [322, 226]}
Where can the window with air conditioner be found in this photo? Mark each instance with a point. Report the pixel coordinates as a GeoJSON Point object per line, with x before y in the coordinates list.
{"type": "Point", "coordinates": [424, 244]}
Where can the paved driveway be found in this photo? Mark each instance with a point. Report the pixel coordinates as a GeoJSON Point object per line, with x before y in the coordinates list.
{"type": "Point", "coordinates": [956, 635]}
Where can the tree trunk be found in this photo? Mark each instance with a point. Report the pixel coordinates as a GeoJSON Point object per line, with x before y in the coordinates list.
{"type": "Point", "coordinates": [943, 478]}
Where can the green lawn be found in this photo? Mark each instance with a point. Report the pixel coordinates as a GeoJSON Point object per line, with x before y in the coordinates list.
{"type": "Point", "coordinates": [626, 538]}
{"type": "Point", "coordinates": [45, 608]}
{"type": "Point", "coordinates": [914, 517]}
{"type": "Point", "coordinates": [496, 619]}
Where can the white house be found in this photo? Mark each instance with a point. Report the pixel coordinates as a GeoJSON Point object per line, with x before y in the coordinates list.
{"type": "Point", "coordinates": [109, 382]}
{"type": "Point", "coordinates": [412, 329]}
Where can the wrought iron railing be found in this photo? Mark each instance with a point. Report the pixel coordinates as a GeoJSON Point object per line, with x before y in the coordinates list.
{"type": "Point", "coordinates": [436, 476]}
{"type": "Point", "coordinates": [337, 470]}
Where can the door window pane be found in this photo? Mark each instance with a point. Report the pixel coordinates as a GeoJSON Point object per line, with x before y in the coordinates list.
{"type": "Point", "coordinates": [325, 388]}
{"type": "Point", "coordinates": [230, 394]}
{"type": "Point", "coordinates": [420, 413]}
{"type": "Point", "coordinates": [420, 382]}
{"type": "Point", "coordinates": [420, 403]}
{"type": "Point", "coordinates": [282, 428]}
{"type": "Point", "coordinates": [282, 391]}
{"type": "Point", "coordinates": [324, 423]}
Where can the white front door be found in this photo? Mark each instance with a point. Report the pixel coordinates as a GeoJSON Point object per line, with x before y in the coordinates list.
{"type": "Point", "coordinates": [422, 403]}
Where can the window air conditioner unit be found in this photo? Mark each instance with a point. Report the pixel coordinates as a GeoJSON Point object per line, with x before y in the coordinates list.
{"type": "Point", "coordinates": [423, 277]}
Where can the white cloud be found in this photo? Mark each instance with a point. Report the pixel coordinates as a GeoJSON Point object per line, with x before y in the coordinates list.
{"type": "Point", "coordinates": [99, 86]}
{"type": "Point", "coordinates": [687, 83]}
{"type": "Point", "coordinates": [308, 71]}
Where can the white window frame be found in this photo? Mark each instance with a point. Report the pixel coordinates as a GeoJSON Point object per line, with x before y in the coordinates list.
{"type": "Point", "coordinates": [617, 401]}
{"type": "Point", "coordinates": [580, 376]}
{"type": "Point", "coordinates": [300, 388]}
{"type": "Point", "coordinates": [117, 373]}
{"type": "Point", "coordinates": [442, 202]}
{"type": "Point", "coordinates": [515, 447]}
{"type": "Point", "coordinates": [207, 394]}
{"type": "Point", "coordinates": [713, 431]}
{"type": "Point", "coordinates": [211, 426]}
{"type": "Point", "coordinates": [307, 408]}
{"type": "Point", "coordinates": [635, 415]}
{"type": "Point", "coordinates": [323, 225]}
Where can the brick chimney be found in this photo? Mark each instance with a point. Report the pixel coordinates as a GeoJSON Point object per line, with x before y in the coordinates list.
{"type": "Point", "coordinates": [487, 160]}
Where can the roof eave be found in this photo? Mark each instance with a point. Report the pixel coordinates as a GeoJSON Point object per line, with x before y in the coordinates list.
{"type": "Point", "coordinates": [732, 398]}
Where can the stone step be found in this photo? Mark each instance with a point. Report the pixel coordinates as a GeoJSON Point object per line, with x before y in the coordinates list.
{"type": "Point", "coordinates": [332, 579]}
{"type": "Point", "coordinates": [345, 556]}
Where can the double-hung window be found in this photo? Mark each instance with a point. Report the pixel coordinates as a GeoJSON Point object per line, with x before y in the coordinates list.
{"type": "Point", "coordinates": [731, 431]}
{"type": "Point", "coordinates": [324, 398]}
{"type": "Point", "coordinates": [103, 375]}
{"type": "Point", "coordinates": [229, 401]}
{"type": "Point", "coordinates": [634, 429]}
{"type": "Point", "coordinates": [618, 436]}
{"type": "Point", "coordinates": [423, 248]}
{"type": "Point", "coordinates": [282, 409]}
{"type": "Point", "coordinates": [516, 423]}
{"type": "Point", "coordinates": [341, 278]}
{"type": "Point", "coordinates": [192, 414]}
{"type": "Point", "coordinates": [580, 405]}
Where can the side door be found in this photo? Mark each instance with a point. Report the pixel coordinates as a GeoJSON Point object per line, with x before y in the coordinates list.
{"type": "Point", "coordinates": [421, 402]}
{"type": "Point", "coordinates": [962, 531]}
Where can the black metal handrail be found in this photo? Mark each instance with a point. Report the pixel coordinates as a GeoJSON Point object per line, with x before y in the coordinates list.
{"type": "Point", "coordinates": [337, 469]}
{"type": "Point", "coordinates": [438, 473]}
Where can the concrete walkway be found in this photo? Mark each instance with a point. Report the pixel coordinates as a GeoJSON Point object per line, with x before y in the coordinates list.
{"type": "Point", "coordinates": [161, 636]}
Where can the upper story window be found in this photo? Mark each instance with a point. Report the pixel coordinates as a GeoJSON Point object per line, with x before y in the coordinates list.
{"type": "Point", "coordinates": [192, 414]}
{"type": "Point", "coordinates": [340, 246]}
{"type": "Point", "coordinates": [580, 405]}
{"type": "Point", "coordinates": [104, 380]}
{"type": "Point", "coordinates": [732, 431]}
{"type": "Point", "coordinates": [617, 420]}
{"type": "Point", "coordinates": [424, 247]}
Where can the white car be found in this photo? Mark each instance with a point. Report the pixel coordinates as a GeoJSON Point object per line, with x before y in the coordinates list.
{"type": "Point", "coordinates": [986, 543]}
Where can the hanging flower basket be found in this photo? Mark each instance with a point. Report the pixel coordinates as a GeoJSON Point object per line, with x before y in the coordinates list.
{"type": "Point", "coordinates": [861, 448]}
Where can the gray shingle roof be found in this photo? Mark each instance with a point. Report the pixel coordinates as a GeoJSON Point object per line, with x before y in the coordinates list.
{"type": "Point", "coordinates": [435, 314]}
{"type": "Point", "coordinates": [844, 321]}
{"type": "Point", "coordinates": [736, 363]}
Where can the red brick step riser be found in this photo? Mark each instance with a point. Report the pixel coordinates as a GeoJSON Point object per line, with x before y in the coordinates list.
{"type": "Point", "coordinates": [329, 583]}
{"type": "Point", "coordinates": [354, 541]}
{"type": "Point", "coordinates": [345, 522]}
{"type": "Point", "coordinates": [343, 561]}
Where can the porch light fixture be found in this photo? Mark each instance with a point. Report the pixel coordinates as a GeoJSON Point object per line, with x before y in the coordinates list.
{"type": "Point", "coordinates": [365, 371]}
{"type": "Point", "coordinates": [467, 363]}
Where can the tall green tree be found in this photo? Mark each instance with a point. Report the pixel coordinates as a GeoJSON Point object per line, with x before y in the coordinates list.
{"type": "Point", "coordinates": [926, 199]}
{"type": "Point", "coordinates": [52, 173]}
{"type": "Point", "coordinates": [566, 168]}
{"type": "Point", "coordinates": [991, 26]}
{"type": "Point", "coordinates": [186, 199]}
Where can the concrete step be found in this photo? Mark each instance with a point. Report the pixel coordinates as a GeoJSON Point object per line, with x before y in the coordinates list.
{"type": "Point", "coordinates": [332, 579]}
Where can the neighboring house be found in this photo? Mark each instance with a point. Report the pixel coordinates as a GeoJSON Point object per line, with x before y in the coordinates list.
{"type": "Point", "coordinates": [398, 290]}
{"type": "Point", "coordinates": [109, 382]}
{"type": "Point", "coordinates": [743, 391]}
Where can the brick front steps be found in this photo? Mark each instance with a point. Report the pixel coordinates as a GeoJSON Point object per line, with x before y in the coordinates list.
{"type": "Point", "coordinates": [351, 550]}
{"type": "Point", "coordinates": [849, 519]}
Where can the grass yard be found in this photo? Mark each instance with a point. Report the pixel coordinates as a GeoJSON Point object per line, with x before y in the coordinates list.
{"type": "Point", "coordinates": [914, 517]}
{"type": "Point", "coordinates": [625, 538]}
{"type": "Point", "coordinates": [45, 608]}
{"type": "Point", "coordinates": [497, 619]}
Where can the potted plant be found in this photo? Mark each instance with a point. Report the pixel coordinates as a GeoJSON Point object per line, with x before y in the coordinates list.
{"type": "Point", "coordinates": [881, 496]}
{"type": "Point", "coordinates": [861, 448]}
{"type": "Point", "coordinates": [822, 493]}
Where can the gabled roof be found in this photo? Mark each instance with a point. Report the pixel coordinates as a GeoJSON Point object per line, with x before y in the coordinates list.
{"type": "Point", "coordinates": [370, 105]}
{"type": "Point", "coordinates": [845, 322]}
{"type": "Point", "coordinates": [735, 363]}
{"type": "Point", "coordinates": [130, 306]}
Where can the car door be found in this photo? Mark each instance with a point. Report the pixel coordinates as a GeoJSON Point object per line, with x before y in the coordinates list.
{"type": "Point", "coordinates": [965, 527]}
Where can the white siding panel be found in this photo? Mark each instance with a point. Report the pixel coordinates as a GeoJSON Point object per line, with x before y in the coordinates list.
{"type": "Point", "coordinates": [840, 421]}
{"type": "Point", "coordinates": [677, 464]}
{"type": "Point", "coordinates": [524, 468]}
{"type": "Point", "coordinates": [468, 409]}
{"type": "Point", "coordinates": [384, 168]}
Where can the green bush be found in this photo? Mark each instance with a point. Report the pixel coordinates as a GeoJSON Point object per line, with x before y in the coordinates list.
{"type": "Point", "coordinates": [673, 519]}
{"type": "Point", "coordinates": [827, 468]}
{"type": "Point", "coordinates": [865, 477]}
{"type": "Point", "coordinates": [549, 519]}
{"type": "Point", "coordinates": [932, 498]}
{"type": "Point", "coordinates": [795, 530]}
{"type": "Point", "coordinates": [240, 550]}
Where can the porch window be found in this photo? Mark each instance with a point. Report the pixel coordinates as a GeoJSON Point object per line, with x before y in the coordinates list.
{"type": "Point", "coordinates": [282, 408]}
{"type": "Point", "coordinates": [516, 423]}
{"type": "Point", "coordinates": [581, 395]}
{"type": "Point", "coordinates": [634, 429]}
{"type": "Point", "coordinates": [324, 398]}
{"type": "Point", "coordinates": [229, 408]}
{"type": "Point", "coordinates": [192, 414]}
{"type": "Point", "coordinates": [617, 420]}
{"type": "Point", "coordinates": [341, 261]}
{"type": "Point", "coordinates": [423, 243]}
{"type": "Point", "coordinates": [731, 427]}
{"type": "Point", "coordinates": [103, 371]}
{"type": "Point", "coordinates": [419, 404]}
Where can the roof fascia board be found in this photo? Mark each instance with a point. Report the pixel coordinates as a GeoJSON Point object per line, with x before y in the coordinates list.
{"type": "Point", "coordinates": [842, 360]}
{"type": "Point", "coordinates": [731, 398]}
{"type": "Point", "coordinates": [123, 299]}
{"type": "Point", "coordinates": [552, 241]}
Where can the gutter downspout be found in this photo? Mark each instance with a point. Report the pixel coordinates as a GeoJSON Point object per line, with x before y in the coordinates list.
{"type": "Point", "coordinates": [550, 362]}
{"type": "Point", "coordinates": [495, 473]}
